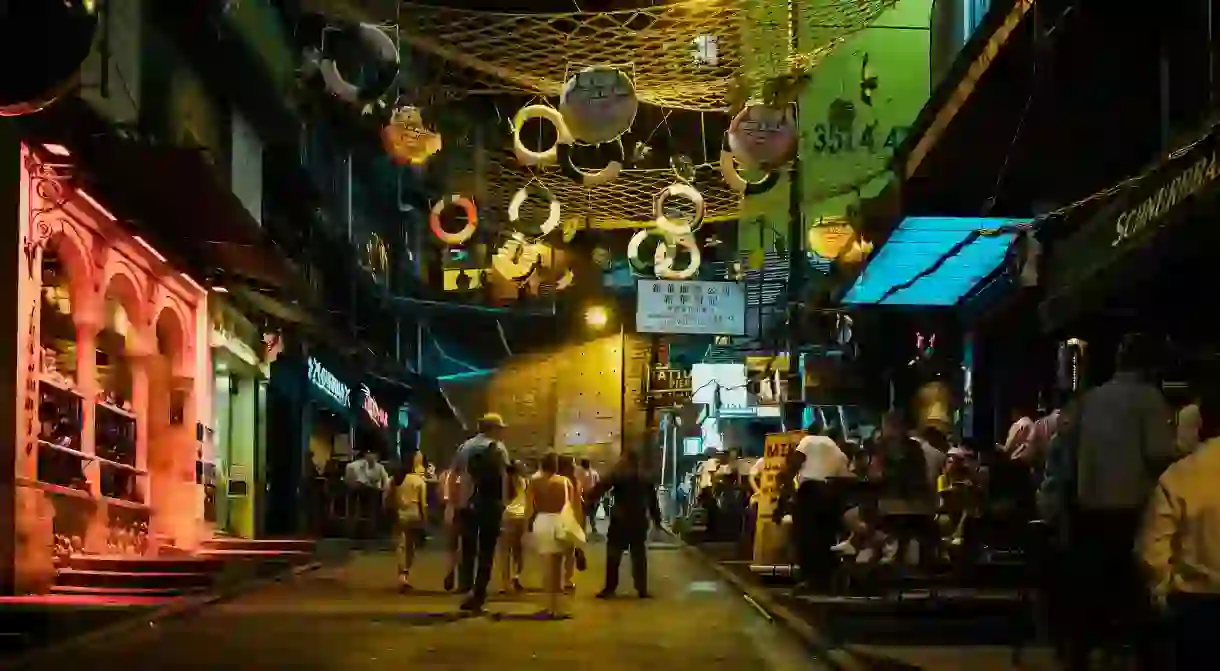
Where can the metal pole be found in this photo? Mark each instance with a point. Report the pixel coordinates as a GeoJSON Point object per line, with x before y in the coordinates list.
{"type": "Point", "coordinates": [796, 256]}
{"type": "Point", "coordinates": [622, 392]}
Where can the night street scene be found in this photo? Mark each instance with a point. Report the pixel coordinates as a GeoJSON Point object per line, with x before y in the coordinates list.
{"type": "Point", "coordinates": [541, 335]}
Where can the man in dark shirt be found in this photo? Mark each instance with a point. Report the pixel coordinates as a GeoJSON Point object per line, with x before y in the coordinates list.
{"type": "Point", "coordinates": [635, 502]}
{"type": "Point", "coordinates": [482, 463]}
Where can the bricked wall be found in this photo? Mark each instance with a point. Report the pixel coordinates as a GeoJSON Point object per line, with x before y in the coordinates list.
{"type": "Point", "coordinates": [566, 400]}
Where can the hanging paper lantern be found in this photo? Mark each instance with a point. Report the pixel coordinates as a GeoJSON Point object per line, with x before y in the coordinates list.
{"type": "Point", "coordinates": [527, 156]}
{"type": "Point", "coordinates": [763, 137]}
{"type": "Point", "coordinates": [42, 45]}
{"type": "Point", "coordinates": [598, 104]}
{"type": "Point", "coordinates": [830, 241]}
{"type": "Point", "coordinates": [677, 228]}
{"type": "Point", "coordinates": [472, 220]}
{"type": "Point", "coordinates": [407, 140]}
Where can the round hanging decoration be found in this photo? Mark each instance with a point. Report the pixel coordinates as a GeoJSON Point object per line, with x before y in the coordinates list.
{"type": "Point", "coordinates": [829, 241]}
{"type": "Point", "coordinates": [407, 140]}
{"type": "Point", "coordinates": [565, 280]}
{"type": "Point", "coordinates": [516, 259]}
{"type": "Point", "coordinates": [667, 254]}
{"type": "Point", "coordinates": [637, 241]}
{"type": "Point", "coordinates": [678, 228]}
{"type": "Point", "coordinates": [385, 67]}
{"type": "Point", "coordinates": [472, 220]}
{"type": "Point", "coordinates": [69, 27]}
{"type": "Point", "coordinates": [762, 137]}
{"type": "Point", "coordinates": [529, 157]}
{"type": "Point", "coordinates": [552, 219]}
{"type": "Point", "coordinates": [598, 104]}
{"type": "Point", "coordinates": [596, 178]}
{"type": "Point", "coordinates": [728, 171]}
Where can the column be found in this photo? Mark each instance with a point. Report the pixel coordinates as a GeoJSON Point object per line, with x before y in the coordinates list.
{"type": "Point", "coordinates": [186, 500]}
{"type": "Point", "coordinates": [89, 323]}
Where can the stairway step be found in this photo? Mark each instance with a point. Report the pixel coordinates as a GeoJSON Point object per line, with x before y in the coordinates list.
{"type": "Point", "coordinates": [120, 591]}
{"type": "Point", "coordinates": [260, 544]}
{"type": "Point", "coordinates": [173, 564]}
{"type": "Point", "coordinates": [133, 579]}
{"type": "Point", "coordinates": [258, 555]}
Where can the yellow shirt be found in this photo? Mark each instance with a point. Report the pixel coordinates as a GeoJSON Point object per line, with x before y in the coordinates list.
{"type": "Point", "coordinates": [411, 498]}
{"type": "Point", "coordinates": [1179, 543]}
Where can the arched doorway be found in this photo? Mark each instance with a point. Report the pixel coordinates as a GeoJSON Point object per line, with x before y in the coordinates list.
{"type": "Point", "coordinates": [171, 439]}
{"type": "Point", "coordinates": [61, 460]}
{"type": "Point", "coordinates": [115, 425]}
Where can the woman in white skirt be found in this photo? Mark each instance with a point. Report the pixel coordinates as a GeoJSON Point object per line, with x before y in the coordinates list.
{"type": "Point", "coordinates": [549, 492]}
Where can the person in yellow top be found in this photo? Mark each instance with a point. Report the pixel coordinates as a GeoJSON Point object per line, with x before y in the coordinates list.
{"type": "Point", "coordinates": [410, 504]}
{"type": "Point", "coordinates": [1179, 543]}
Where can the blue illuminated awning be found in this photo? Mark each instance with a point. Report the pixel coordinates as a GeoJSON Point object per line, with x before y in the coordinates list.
{"type": "Point", "coordinates": [905, 271]}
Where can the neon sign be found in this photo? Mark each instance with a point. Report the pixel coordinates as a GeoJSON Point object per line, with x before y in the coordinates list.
{"type": "Point", "coordinates": [326, 381]}
{"type": "Point", "coordinates": [373, 410]}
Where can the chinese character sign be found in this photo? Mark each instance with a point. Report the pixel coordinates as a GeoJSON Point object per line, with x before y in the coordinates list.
{"type": "Point", "coordinates": [689, 306]}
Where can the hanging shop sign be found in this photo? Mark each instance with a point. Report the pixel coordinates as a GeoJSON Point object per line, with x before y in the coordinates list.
{"type": "Point", "coordinates": [326, 381]}
{"type": "Point", "coordinates": [1135, 212]}
{"type": "Point", "coordinates": [770, 540]}
{"type": "Point", "coordinates": [371, 408]}
{"type": "Point", "coordinates": [690, 306]}
{"type": "Point", "coordinates": [598, 104]}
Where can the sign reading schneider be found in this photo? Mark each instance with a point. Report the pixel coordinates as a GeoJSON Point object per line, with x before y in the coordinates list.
{"type": "Point", "coordinates": [327, 382]}
{"type": "Point", "coordinates": [1182, 186]}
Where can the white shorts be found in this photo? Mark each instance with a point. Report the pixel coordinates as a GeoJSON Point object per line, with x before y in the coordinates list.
{"type": "Point", "coordinates": [546, 525]}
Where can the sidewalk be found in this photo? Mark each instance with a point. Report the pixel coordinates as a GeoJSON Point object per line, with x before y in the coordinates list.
{"type": "Point", "coordinates": [857, 633]}
{"type": "Point", "coordinates": [352, 617]}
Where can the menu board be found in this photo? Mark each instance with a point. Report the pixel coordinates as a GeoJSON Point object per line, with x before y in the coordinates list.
{"type": "Point", "coordinates": [771, 551]}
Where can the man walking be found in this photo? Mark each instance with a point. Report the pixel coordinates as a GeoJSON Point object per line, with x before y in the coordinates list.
{"type": "Point", "coordinates": [588, 479]}
{"type": "Point", "coordinates": [369, 484]}
{"type": "Point", "coordinates": [481, 464]}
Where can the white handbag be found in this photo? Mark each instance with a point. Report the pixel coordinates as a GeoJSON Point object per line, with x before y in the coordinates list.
{"type": "Point", "coordinates": [570, 532]}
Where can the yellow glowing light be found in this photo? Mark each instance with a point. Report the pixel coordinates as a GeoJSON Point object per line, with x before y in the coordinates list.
{"type": "Point", "coordinates": [597, 317]}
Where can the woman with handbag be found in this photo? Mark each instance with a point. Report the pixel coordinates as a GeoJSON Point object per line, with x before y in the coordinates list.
{"type": "Point", "coordinates": [555, 528]}
{"type": "Point", "coordinates": [410, 503]}
{"type": "Point", "coordinates": [574, 560]}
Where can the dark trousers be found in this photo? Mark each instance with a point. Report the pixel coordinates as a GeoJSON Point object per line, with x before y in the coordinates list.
{"type": "Point", "coordinates": [1193, 620]}
{"type": "Point", "coordinates": [480, 529]}
{"type": "Point", "coordinates": [616, 545]}
{"type": "Point", "coordinates": [711, 508]}
{"type": "Point", "coordinates": [816, 516]}
{"type": "Point", "coordinates": [1111, 605]}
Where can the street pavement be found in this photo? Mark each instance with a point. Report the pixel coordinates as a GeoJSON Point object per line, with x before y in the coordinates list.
{"type": "Point", "coordinates": [351, 617]}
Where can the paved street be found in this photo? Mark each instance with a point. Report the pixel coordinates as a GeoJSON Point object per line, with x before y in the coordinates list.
{"type": "Point", "coordinates": [351, 618]}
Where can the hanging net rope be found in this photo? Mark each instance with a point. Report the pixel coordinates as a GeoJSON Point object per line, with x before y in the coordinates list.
{"type": "Point", "coordinates": [685, 55]}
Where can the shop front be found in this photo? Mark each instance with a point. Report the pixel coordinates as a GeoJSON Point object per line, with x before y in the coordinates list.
{"type": "Point", "coordinates": [241, 369]}
{"type": "Point", "coordinates": [112, 380]}
{"type": "Point", "coordinates": [309, 413]}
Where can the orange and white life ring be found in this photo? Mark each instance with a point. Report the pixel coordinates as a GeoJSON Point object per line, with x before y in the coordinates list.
{"type": "Point", "coordinates": [472, 220]}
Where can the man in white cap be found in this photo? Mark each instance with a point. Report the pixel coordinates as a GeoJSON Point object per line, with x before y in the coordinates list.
{"type": "Point", "coordinates": [481, 465]}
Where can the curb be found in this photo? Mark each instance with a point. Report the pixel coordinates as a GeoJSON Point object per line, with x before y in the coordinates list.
{"type": "Point", "coordinates": [761, 600]}
{"type": "Point", "coordinates": [179, 609]}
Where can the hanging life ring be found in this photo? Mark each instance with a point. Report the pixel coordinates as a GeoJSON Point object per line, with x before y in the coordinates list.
{"type": "Point", "coordinates": [472, 220]}
{"type": "Point", "coordinates": [552, 219]}
{"type": "Point", "coordinates": [385, 72]}
{"type": "Point", "coordinates": [595, 178]}
{"type": "Point", "coordinates": [529, 157]}
{"type": "Point", "coordinates": [673, 228]}
{"type": "Point", "coordinates": [633, 248]}
{"type": "Point", "coordinates": [516, 259]}
{"type": "Point", "coordinates": [666, 255]}
{"type": "Point", "coordinates": [728, 170]}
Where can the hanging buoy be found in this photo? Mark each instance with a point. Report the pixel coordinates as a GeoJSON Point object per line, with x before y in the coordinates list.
{"type": "Point", "coordinates": [385, 72]}
{"type": "Point", "coordinates": [728, 171]}
{"type": "Point", "coordinates": [598, 104]}
{"type": "Point", "coordinates": [516, 259]}
{"type": "Point", "coordinates": [667, 254]}
{"type": "Point", "coordinates": [552, 220]}
{"type": "Point", "coordinates": [472, 220]}
{"type": "Point", "coordinates": [673, 228]}
{"type": "Point", "coordinates": [607, 174]}
{"type": "Point", "coordinates": [529, 157]}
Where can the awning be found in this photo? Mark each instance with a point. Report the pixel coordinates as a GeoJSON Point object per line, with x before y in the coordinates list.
{"type": "Point", "coordinates": [933, 261]}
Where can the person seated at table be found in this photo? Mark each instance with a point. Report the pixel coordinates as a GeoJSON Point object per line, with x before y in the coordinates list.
{"type": "Point", "coordinates": [958, 488]}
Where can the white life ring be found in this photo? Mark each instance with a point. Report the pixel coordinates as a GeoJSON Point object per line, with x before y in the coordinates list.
{"type": "Point", "coordinates": [667, 225]}
{"type": "Point", "coordinates": [552, 220]}
{"type": "Point", "coordinates": [516, 259]}
{"type": "Point", "coordinates": [529, 157]}
{"type": "Point", "coordinates": [387, 53]}
{"type": "Point", "coordinates": [728, 171]}
{"type": "Point", "coordinates": [664, 267]}
{"type": "Point", "coordinates": [592, 178]}
{"type": "Point", "coordinates": [633, 248]}
{"type": "Point", "coordinates": [472, 220]}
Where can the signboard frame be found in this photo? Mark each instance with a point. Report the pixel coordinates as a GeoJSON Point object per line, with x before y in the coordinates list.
{"type": "Point", "coordinates": [708, 303]}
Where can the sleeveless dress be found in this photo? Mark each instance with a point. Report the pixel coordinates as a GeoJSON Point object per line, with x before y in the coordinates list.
{"type": "Point", "coordinates": [547, 527]}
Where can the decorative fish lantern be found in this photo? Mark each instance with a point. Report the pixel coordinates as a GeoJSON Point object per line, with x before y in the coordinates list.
{"type": "Point", "coordinates": [407, 140]}
{"type": "Point", "coordinates": [598, 104]}
{"type": "Point", "coordinates": [763, 137]}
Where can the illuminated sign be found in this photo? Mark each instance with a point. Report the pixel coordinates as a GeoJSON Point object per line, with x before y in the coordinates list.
{"type": "Point", "coordinates": [373, 410]}
{"type": "Point", "coordinates": [327, 382]}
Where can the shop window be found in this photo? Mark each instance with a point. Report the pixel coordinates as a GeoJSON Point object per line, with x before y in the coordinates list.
{"type": "Point", "coordinates": [116, 422]}
{"type": "Point", "coordinates": [60, 459]}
